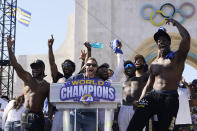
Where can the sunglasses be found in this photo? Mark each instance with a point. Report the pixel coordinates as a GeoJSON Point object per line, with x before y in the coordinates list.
{"type": "Point", "coordinates": [91, 64]}
{"type": "Point", "coordinates": [66, 64]}
{"type": "Point", "coordinates": [128, 65]}
{"type": "Point", "coordinates": [36, 67]}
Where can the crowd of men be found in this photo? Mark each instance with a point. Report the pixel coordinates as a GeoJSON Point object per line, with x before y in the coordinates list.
{"type": "Point", "coordinates": [148, 92]}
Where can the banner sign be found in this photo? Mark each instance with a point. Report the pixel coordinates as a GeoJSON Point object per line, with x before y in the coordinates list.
{"type": "Point", "coordinates": [87, 91]}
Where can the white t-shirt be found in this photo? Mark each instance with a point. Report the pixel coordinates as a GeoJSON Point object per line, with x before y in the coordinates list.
{"type": "Point", "coordinates": [12, 114]}
{"type": "Point", "coordinates": [118, 72]}
{"type": "Point", "coordinates": [183, 115]}
{"type": "Point", "coordinates": [3, 104]}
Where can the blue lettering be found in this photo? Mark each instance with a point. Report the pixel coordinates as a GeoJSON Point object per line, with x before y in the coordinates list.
{"type": "Point", "coordinates": [82, 90]}
{"type": "Point", "coordinates": [63, 93]}
{"type": "Point", "coordinates": [69, 92]}
{"type": "Point", "coordinates": [90, 89]}
{"type": "Point", "coordinates": [99, 91]}
{"type": "Point", "coordinates": [75, 91]}
{"type": "Point", "coordinates": [111, 93]}
{"type": "Point", "coordinates": [105, 92]}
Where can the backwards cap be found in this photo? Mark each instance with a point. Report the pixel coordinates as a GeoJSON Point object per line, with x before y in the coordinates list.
{"type": "Point", "coordinates": [104, 65]}
{"type": "Point", "coordinates": [38, 63]}
{"type": "Point", "coordinates": [161, 32]}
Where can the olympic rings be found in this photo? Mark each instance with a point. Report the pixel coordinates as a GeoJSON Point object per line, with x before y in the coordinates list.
{"type": "Point", "coordinates": [151, 18]}
{"type": "Point", "coordinates": [188, 4]}
{"type": "Point", "coordinates": [147, 6]}
{"type": "Point", "coordinates": [182, 13]}
{"type": "Point", "coordinates": [171, 14]}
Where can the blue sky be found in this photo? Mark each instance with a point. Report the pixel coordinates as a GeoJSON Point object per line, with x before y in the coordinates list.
{"type": "Point", "coordinates": [189, 73]}
{"type": "Point", "coordinates": [48, 17]}
{"type": "Point", "coordinates": [51, 17]}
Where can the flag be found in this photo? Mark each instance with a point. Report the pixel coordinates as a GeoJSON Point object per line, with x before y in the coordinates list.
{"type": "Point", "coordinates": [22, 16]}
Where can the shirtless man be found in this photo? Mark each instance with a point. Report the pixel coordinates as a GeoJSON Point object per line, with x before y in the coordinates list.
{"type": "Point", "coordinates": [36, 90]}
{"type": "Point", "coordinates": [119, 120]}
{"type": "Point", "coordinates": [165, 74]}
{"type": "Point", "coordinates": [132, 91]}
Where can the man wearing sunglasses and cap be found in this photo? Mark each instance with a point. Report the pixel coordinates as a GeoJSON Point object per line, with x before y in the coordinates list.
{"type": "Point", "coordinates": [165, 74]}
{"type": "Point", "coordinates": [36, 90]}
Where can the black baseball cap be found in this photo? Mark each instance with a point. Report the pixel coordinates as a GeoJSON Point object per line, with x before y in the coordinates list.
{"type": "Point", "coordinates": [37, 64]}
{"type": "Point", "coordinates": [194, 82]}
{"type": "Point", "coordinates": [138, 56]}
{"type": "Point", "coordinates": [104, 65]}
{"type": "Point", "coordinates": [161, 32]}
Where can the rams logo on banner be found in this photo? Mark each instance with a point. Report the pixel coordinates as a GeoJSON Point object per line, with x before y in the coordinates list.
{"type": "Point", "coordinates": [87, 91]}
{"type": "Point", "coordinates": [86, 99]}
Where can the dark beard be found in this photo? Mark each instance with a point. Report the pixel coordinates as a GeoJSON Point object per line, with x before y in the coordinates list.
{"type": "Point", "coordinates": [67, 74]}
{"type": "Point", "coordinates": [165, 52]}
{"type": "Point", "coordinates": [37, 75]}
{"type": "Point", "coordinates": [140, 67]}
{"type": "Point", "coordinates": [103, 77]}
{"type": "Point", "coordinates": [131, 75]}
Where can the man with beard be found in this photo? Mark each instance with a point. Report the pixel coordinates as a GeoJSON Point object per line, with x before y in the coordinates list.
{"type": "Point", "coordinates": [86, 119]}
{"type": "Point", "coordinates": [129, 70]}
{"type": "Point", "coordinates": [68, 67]}
{"type": "Point", "coordinates": [36, 90]}
{"type": "Point", "coordinates": [139, 80]}
{"type": "Point", "coordinates": [193, 87]}
{"type": "Point", "coordinates": [165, 74]}
{"type": "Point", "coordinates": [102, 71]}
{"type": "Point", "coordinates": [110, 72]}
{"type": "Point", "coordinates": [132, 91]}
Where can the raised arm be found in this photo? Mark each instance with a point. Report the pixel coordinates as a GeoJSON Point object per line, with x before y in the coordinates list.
{"type": "Point", "coordinates": [185, 42]}
{"type": "Point", "coordinates": [24, 75]}
{"type": "Point", "coordinates": [116, 77]}
{"type": "Point", "coordinates": [85, 55]}
{"type": "Point", "coordinates": [89, 50]}
{"type": "Point", "coordinates": [53, 66]}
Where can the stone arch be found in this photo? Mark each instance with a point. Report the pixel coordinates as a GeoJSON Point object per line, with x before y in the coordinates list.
{"type": "Point", "coordinates": [148, 49]}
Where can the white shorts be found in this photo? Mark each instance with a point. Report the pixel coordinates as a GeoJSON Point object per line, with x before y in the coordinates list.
{"type": "Point", "coordinates": [124, 116]}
